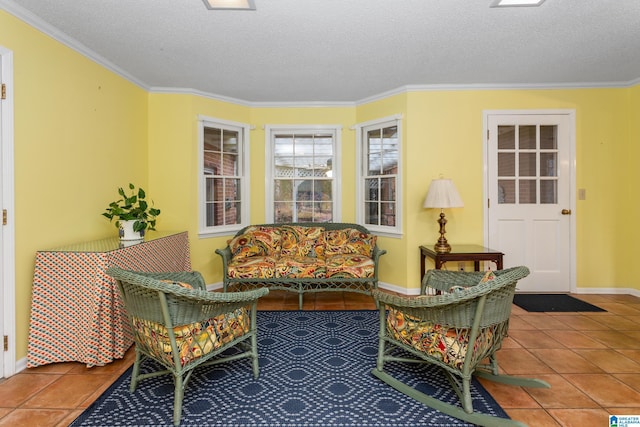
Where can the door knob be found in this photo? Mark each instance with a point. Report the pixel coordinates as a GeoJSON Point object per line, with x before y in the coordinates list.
{"type": "Point", "coordinates": [566, 212]}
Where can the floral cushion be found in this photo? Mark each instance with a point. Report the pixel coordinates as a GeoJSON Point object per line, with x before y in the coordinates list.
{"type": "Point", "coordinates": [302, 241]}
{"type": "Point", "coordinates": [193, 340]}
{"type": "Point", "coordinates": [252, 267]}
{"type": "Point", "coordinates": [448, 345]}
{"type": "Point", "coordinates": [256, 241]}
{"type": "Point", "coordinates": [181, 284]}
{"type": "Point", "coordinates": [349, 265]}
{"type": "Point", "coordinates": [488, 276]}
{"type": "Point", "coordinates": [349, 241]}
{"type": "Point", "coordinates": [300, 267]}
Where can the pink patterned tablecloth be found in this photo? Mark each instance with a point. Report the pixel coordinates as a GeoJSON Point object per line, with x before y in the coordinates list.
{"type": "Point", "coordinates": [76, 310]}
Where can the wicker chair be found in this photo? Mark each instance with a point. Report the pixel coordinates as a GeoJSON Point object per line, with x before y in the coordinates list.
{"type": "Point", "coordinates": [179, 324]}
{"type": "Point", "coordinates": [454, 309]}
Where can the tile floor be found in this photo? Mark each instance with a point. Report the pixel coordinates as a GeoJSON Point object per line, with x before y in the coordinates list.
{"type": "Point", "coordinates": [592, 361]}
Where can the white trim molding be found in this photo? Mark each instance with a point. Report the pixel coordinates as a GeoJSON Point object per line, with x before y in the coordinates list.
{"type": "Point", "coordinates": [8, 286]}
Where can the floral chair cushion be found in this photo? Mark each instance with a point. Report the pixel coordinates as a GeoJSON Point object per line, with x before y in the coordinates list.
{"type": "Point", "coordinates": [448, 345]}
{"type": "Point", "coordinates": [256, 241]}
{"type": "Point", "coordinates": [302, 241]}
{"type": "Point", "coordinates": [193, 340]}
{"type": "Point", "coordinates": [181, 284]}
{"type": "Point", "coordinates": [300, 267]}
{"type": "Point", "coordinates": [254, 267]}
{"type": "Point", "coordinates": [350, 265]}
{"type": "Point", "coordinates": [349, 241]}
{"type": "Point", "coordinates": [488, 276]}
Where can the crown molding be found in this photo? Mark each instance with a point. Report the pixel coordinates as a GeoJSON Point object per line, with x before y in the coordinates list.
{"type": "Point", "coordinates": [51, 31]}
{"type": "Point", "coordinates": [189, 91]}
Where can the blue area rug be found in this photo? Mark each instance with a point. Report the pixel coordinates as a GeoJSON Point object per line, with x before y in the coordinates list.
{"type": "Point", "coordinates": [315, 370]}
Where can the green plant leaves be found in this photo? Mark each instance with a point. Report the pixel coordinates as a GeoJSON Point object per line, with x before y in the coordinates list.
{"type": "Point", "coordinates": [133, 207]}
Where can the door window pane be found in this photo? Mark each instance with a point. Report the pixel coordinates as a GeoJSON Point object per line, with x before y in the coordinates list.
{"type": "Point", "coordinates": [548, 164]}
{"type": "Point", "coordinates": [506, 137]}
{"type": "Point", "coordinates": [528, 164]}
{"type": "Point", "coordinates": [549, 137]}
{"type": "Point", "coordinates": [506, 164]}
{"type": "Point", "coordinates": [527, 137]}
{"type": "Point", "coordinates": [506, 191]}
{"type": "Point", "coordinates": [549, 191]}
{"type": "Point", "coordinates": [527, 191]}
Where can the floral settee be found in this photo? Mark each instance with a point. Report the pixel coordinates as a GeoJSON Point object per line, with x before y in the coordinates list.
{"type": "Point", "coordinates": [302, 257]}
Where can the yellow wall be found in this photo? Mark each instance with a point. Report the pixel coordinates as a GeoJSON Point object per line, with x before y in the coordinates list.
{"type": "Point", "coordinates": [626, 211]}
{"type": "Point", "coordinates": [81, 132]}
{"type": "Point", "coordinates": [173, 150]}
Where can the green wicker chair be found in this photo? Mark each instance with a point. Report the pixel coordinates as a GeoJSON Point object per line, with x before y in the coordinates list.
{"type": "Point", "coordinates": [454, 310]}
{"type": "Point", "coordinates": [179, 324]}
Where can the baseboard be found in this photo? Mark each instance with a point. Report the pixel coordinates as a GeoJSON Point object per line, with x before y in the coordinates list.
{"type": "Point", "coordinates": [612, 291]}
{"type": "Point", "coordinates": [398, 289]}
{"type": "Point", "coordinates": [21, 364]}
{"type": "Point", "coordinates": [214, 286]}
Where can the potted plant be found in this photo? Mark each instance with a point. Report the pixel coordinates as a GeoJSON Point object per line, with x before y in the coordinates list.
{"type": "Point", "coordinates": [132, 213]}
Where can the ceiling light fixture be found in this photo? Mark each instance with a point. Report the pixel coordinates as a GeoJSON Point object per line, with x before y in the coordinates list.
{"type": "Point", "coordinates": [516, 3]}
{"type": "Point", "coordinates": [230, 4]}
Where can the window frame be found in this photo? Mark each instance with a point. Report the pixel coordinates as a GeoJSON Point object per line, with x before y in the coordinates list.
{"type": "Point", "coordinates": [270, 132]}
{"type": "Point", "coordinates": [361, 174]}
{"type": "Point", "coordinates": [243, 130]}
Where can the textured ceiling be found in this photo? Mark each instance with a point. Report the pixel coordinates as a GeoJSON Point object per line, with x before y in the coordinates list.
{"type": "Point", "coordinates": [332, 51]}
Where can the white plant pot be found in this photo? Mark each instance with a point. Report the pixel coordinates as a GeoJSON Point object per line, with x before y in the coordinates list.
{"type": "Point", "coordinates": [127, 234]}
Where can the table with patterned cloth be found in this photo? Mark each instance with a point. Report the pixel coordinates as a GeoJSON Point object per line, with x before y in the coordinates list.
{"type": "Point", "coordinates": [76, 309]}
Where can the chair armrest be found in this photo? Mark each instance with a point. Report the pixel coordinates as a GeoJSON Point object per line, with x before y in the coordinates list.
{"type": "Point", "coordinates": [423, 301]}
{"type": "Point", "coordinates": [443, 280]}
{"type": "Point", "coordinates": [193, 278]}
{"type": "Point", "coordinates": [377, 253]}
{"type": "Point", "coordinates": [225, 254]}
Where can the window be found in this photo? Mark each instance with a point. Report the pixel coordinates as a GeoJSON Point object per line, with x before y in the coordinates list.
{"type": "Point", "coordinates": [224, 199]}
{"type": "Point", "coordinates": [379, 175]}
{"type": "Point", "coordinates": [303, 174]}
{"type": "Point", "coordinates": [528, 164]}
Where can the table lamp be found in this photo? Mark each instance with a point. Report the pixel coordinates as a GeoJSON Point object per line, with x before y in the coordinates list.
{"type": "Point", "coordinates": [442, 194]}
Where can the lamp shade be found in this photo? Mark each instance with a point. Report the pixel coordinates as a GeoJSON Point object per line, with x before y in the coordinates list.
{"type": "Point", "coordinates": [442, 194]}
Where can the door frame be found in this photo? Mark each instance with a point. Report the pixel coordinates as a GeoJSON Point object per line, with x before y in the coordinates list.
{"type": "Point", "coordinates": [571, 114]}
{"type": "Point", "coordinates": [7, 278]}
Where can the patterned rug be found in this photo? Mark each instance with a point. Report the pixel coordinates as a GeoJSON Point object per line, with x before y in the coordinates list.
{"type": "Point", "coordinates": [315, 370]}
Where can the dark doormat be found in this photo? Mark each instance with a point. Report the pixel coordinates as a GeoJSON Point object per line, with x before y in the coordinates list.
{"type": "Point", "coordinates": [552, 303]}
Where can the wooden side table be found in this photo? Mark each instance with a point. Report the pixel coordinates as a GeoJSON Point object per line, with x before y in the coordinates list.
{"type": "Point", "coordinates": [475, 253]}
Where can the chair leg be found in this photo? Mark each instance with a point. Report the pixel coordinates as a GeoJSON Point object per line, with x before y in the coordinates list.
{"type": "Point", "coordinates": [135, 372]}
{"type": "Point", "coordinates": [510, 380]}
{"type": "Point", "coordinates": [492, 373]}
{"type": "Point", "coordinates": [254, 342]}
{"type": "Point", "coordinates": [452, 410]}
{"type": "Point", "coordinates": [381, 338]}
{"type": "Point", "coordinates": [177, 399]}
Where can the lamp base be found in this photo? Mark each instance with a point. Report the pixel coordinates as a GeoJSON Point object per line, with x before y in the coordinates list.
{"type": "Point", "coordinates": [442, 247]}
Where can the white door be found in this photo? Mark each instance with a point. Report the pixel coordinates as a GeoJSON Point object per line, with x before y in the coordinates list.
{"type": "Point", "coordinates": [529, 185]}
{"type": "Point", "coordinates": [7, 229]}
{"type": "Point", "coordinates": [2, 260]}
